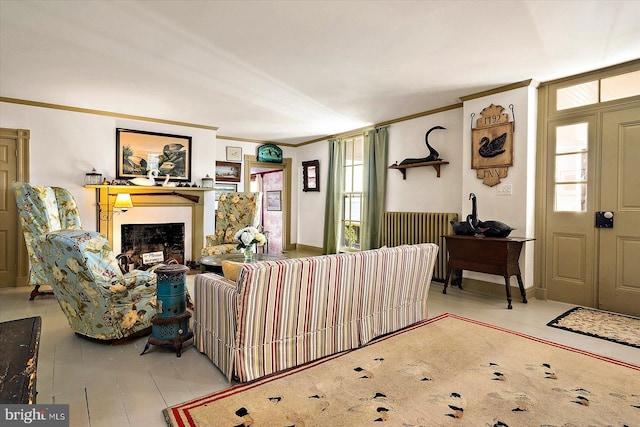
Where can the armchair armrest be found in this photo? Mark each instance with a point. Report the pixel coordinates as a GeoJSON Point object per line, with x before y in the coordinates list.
{"type": "Point", "coordinates": [214, 323]}
{"type": "Point", "coordinates": [136, 278]}
{"type": "Point", "coordinates": [214, 239]}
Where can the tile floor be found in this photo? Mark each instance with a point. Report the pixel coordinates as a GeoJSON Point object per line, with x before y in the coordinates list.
{"type": "Point", "coordinates": [112, 385]}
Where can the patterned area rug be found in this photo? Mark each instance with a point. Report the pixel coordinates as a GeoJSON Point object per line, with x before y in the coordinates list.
{"type": "Point", "coordinates": [600, 324]}
{"type": "Point", "coordinates": [446, 371]}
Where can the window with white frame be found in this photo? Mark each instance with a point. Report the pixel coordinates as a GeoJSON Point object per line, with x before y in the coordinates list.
{"type": "Point", "coordinates": [352, 193]}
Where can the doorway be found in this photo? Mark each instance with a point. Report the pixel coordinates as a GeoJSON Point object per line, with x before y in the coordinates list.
{"type": "Point", "coordinates": [278, 176]}
{"type": "Point", "coordinates": [14, 166]}
{"type": "Point", "coordinates": [588, 167]}
{"type": "Point", "coordinates": [269, 182]}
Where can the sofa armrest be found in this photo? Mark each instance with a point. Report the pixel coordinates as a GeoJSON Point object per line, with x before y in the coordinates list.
{"type": "Point", "coordinates": [214, 321]}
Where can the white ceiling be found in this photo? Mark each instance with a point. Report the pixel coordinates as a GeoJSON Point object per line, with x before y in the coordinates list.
{"type": "Point", "coordinates": [293, 71]}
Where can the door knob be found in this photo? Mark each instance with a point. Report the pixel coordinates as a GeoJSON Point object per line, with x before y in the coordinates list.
{"type": "Point", "coordinates": [604, 219]}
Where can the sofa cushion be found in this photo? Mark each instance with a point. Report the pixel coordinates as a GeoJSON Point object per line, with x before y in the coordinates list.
{"type": "Point", "coordinates": [230, 269]}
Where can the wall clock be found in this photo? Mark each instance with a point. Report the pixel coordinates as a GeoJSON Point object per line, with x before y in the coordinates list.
{"type": "Point", "coordinates": [269, 153]}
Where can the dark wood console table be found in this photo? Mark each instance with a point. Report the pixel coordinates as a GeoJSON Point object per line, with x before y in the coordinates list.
{"type": "Point", "coordinates": [490, 255]}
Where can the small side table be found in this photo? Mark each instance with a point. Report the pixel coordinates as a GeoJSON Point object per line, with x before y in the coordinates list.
{"type": "Point", "coordinates": [492, 255]}
{"type": "Point", "coordinates": [170, 326]}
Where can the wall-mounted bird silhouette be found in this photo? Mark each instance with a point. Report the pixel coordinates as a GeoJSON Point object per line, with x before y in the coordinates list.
{"type": "Point", "coordinates": [491, 148]}
{"type": "Point", "coordinates": [433, 154]}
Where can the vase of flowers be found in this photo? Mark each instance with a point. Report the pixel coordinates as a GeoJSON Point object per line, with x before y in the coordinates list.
{"type": "Point", "coordinates": [248, 238]}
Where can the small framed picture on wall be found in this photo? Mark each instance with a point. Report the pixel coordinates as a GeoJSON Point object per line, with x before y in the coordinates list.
{"type": "Point", "coordinates": [228, 171]}
{"type": "Point", "coordinates": [234, 154]}
{"type": "Point", "coordinates": [311, 175]}
{"type": "Point", "coordinates": [274, 200]}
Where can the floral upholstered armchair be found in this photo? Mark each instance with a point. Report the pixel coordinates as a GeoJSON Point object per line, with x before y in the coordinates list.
{"type": "Point", "coordinates": [43, 210]}
{"type": "Point", "coordinates": [235, 211]}
{"type": "Point", "coordinates": [98, 299]}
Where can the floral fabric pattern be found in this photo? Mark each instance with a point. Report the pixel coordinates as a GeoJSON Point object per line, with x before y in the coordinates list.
{"type": "Point", "coordinates": [98, 300]}
{"type": "Point", "coordinates": [235, 211]}
{"type": "Point", "coordinates": [42, 210]}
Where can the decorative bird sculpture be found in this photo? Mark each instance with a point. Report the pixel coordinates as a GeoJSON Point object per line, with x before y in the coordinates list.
{"type": "Point", "coordinates": [494, 228]}
{"type": "Point", "coordinates": [166, 182]}
{"type": "Point", "coordinates": [149, 181]}
{"type": "Point", "coordinates": [468, 227]}
{"type": "Point", "coordinates": [433, 154]}
{"type": "Point", "coordinates": [491, 148]}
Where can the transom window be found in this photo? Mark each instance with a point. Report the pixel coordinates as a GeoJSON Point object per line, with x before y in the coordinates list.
{"type": "Point", "coordinates": [599, 90]}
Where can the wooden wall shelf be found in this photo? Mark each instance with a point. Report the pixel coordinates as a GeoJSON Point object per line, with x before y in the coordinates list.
{"type": "Point", "coordinates": [403, 168]}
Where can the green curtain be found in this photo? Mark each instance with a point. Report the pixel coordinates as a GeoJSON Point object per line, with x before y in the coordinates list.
{"type": "Point", "coordinates": [333, 208]}
{"type": "Point", "coordinates": [375, 186]}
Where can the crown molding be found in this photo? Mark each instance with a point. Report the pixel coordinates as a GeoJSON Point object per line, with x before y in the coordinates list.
{"type": "Point", "coordinates": [103, 113]}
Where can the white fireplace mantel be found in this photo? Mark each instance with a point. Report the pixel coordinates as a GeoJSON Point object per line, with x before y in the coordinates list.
{"type": "Point", "coordinates": [157, 197]}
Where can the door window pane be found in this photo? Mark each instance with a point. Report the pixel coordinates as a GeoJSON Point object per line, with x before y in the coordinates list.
{"type": "Point", "coordinates": [572, 138]}
{"type": "Point", "coordinates": [571, 198]}
{"type": "Point", "coordinates": [577, 95]}
{"type": "Point", "coordinates": [571, 168]}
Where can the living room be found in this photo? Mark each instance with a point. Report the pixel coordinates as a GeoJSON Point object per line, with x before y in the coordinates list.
{"type": "Point", "coordinates": [68, 139]}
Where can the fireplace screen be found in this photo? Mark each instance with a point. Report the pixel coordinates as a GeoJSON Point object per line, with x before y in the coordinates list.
{"type": "Point", "coordinates": [152, 242]}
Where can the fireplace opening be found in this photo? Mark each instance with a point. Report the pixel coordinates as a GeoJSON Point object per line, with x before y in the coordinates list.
{"type": "Point", "coordinates": [148, 244]}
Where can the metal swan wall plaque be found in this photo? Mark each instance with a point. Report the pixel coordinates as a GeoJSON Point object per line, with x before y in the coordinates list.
{"type": "Point", "coordinates": [433, 154]}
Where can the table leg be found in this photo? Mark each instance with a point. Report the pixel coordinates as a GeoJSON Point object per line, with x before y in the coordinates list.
{"type": "Point", "coordinates": [458, 280]}
{"type": "Point", "coordinates": [508, 288]}
{"type": "Point", "coordinates": [446, 280]}
{"type": "Point", "coordinates": [521, 285]}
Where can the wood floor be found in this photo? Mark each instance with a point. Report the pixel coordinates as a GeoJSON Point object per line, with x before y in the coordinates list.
{"type": "Point", "coordinates": [112, 385]}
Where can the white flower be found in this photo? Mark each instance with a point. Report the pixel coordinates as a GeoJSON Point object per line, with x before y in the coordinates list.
{"type": "Point", "coordinates": [249, 236]}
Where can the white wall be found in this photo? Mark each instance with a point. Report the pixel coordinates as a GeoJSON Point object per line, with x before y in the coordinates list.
{"type": "Point", "coordinates": [423, 191]}
{"type": "Point", "coordinates": [65, 145]}
{"type": "Point", "coordinates": [516, 210]}
{"type": "Point", "coordinates": [311, 205]}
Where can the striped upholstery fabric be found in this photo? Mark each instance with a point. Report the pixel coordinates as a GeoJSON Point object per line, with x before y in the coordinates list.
{"type": "Point", "coordinates": [281, 314]}
{"type": "Point", "coordinates": [214, 324]}
{"type": "Point", "coordinates": [396, 295]}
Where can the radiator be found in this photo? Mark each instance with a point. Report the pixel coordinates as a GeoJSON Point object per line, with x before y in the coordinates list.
{"type": "Point", "coordinates": [407, 228]}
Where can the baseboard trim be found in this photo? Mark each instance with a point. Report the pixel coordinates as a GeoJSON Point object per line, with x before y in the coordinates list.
{"type": "Point", "coordinates": [307, 248]}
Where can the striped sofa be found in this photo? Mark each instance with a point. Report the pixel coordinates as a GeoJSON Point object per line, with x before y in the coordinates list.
{"type": "Point", "coordinates": [281, 314]}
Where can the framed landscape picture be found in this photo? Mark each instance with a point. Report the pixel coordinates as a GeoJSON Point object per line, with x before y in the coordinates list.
{"type": "Point", "coordinates": [139, 152]}
{"type": "Point", "coordinates": [228, 171]}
